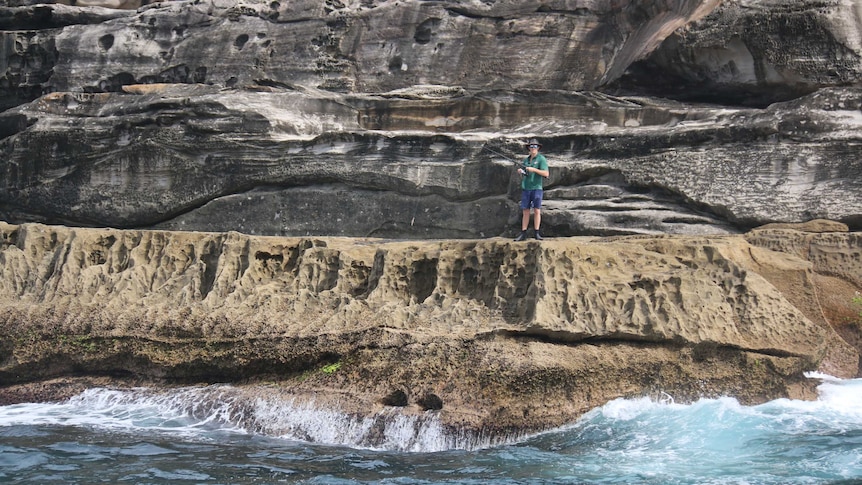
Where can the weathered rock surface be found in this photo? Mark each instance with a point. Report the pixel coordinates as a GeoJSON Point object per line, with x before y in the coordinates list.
{"type": "Point", "coordinates": [756, 52]}
{"type": "Point", "coordinates": [271, 127]}
{"type": "Point", "coordinates": [376, 118]}
{"type": "Point", "coordinates": [307, 163]}
{"type": "Point", "coordinates": [494, 336]}
{"type": "Point", "coordinates": [358, 45]}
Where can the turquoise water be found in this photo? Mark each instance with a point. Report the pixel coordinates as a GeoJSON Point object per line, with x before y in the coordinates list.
{"type": "Point", "coordinates": [213, 436]}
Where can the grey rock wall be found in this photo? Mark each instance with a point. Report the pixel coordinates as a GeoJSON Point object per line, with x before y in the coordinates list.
{"type": "Point", "coordinates": [400, 119]}
{"type": "Point", "coordinates": [756, 52]}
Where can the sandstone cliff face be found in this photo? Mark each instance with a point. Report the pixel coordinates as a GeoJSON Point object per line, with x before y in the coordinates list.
{"type": "Point", "coordinates": [295, 137]}
{"type": "Point", "coordinates": [397, 119]}
{"type": "Point", "coordinates": [490, 334]}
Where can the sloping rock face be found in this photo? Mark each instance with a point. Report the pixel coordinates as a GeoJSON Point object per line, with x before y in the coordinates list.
{"type": "Point", "coordinates": [399, 119]}
{"type": "Point", "coordinates": [756, 52]}
{"type": "Point", "coordinates": [493, 337]}
{"type": "Point", "coordinates": [364, 46]}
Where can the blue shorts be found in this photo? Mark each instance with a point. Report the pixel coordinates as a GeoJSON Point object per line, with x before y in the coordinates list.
{"type": "Point", "coordinates": [531, 199]}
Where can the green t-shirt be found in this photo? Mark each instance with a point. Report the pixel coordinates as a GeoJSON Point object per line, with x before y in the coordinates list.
{"type": "Point", "coordinates": [533, 181]}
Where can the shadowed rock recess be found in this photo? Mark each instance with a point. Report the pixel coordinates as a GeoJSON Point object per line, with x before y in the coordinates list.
{"type": "Point", "coordinates": [318, 195]}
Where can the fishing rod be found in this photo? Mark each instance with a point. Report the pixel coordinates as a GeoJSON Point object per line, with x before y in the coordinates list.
{"type": "Point", "coordinates": [517, 163]}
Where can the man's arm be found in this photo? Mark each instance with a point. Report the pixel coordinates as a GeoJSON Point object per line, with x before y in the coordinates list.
{"type": "Point", "coordinates": [543, 171]}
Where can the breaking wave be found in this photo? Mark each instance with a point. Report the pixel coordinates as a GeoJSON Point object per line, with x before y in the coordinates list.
{"type": "Point", "coordinates": [192, 411]}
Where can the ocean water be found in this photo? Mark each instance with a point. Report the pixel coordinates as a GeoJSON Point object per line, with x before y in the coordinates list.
{"type": "Point", "coordinates": [214, 435]}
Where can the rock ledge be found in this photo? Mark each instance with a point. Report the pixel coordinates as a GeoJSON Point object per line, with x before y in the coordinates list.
{"type": "Point", "coordinates": [492, 336]}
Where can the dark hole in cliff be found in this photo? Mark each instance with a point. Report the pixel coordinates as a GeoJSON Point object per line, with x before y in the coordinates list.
{"type": "Point", "coordinates": [240, 41]}
{"type": "Point", "coordinates": [362, 273]}
{"type": "Point", "coordinates": [175, 74]}
{"type": "Point", "coordinates": [395, 63]}
{"type": "Point", "coordinates": [106, 41]}
{"type": "Point", "coordinates": [337, 23]}
{"type": "Point", "coordinates": [425, 30]}
{"type": "Point", "coordinates": [648, 78]}
{"type": "Point", "coordinates": [200, 75]}
{"type": "Point", "coordinates": [265, 257]}
{"type": "Point", "coordinates": [273, 84]}
{"type": "Point", "coordinates": [469, 278]}
{"type": "Point", "coordinates": [210, 257]}
{"type": "Point", "coordinates": [10, 239]}
{"type": "Point", "coordinates": [116, 82]}
{"type": "Point", "coordinates": [107, 241]}
{"type": "Point", "coordinates": [97, 257]}
{"type": "Point", "coordinates": [395, 398]}
{"type": "Point", "coordinates": [42, 17]}
{"type": "Point", "coordinates": [854, 223]}
{"type": "Point", "coordinates": [375, 274]}
{"type": "Point", "coordinates": [430, 402]}
{"type": "Point", "coordinates": [11, 124]}
{"type": "Point", "coordinates": [424, 279]}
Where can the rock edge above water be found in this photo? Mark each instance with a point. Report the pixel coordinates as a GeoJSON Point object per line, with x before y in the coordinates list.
{"type": "Point", "coordinates": [493, 336]}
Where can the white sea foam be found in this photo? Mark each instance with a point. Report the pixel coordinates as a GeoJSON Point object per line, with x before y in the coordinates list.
{"type": "Point", "coordinates": [201, 410]}
{"type": "Point", "coordinates": [643, 424]}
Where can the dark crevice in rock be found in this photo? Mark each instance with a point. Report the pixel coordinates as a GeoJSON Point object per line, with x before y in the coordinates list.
{"type": "Point", "coordinates": [106, 42]}
{"type": "Point", "coordinates": [749, 56]}
{"type": "Point", "coordinates": [396, 398]}
{"type": "Point", "coordinates": [123, 357]}
{"type": "Point", "coordinates": [375, 274]}
{"type": "Point", "coordinates": [569, 339]}
{"type": "Point", "coordinates": [463, 12]}
{"type": "Point", "coordinates": [210, 258]}
{"type": "Point", "coordinates": [11, 124]}
{"type": "Point", "coordinates": [430, 402]}
{"type": "Point", "coordinates": [270, 83]}
{"type": "Point", "coordinates": [240, 41]}
{"type": "Point", "coordinates": [9, 239]}
{"type": "Point", "coordinates": [424, 279]}
{"type": "Point", "coordinates": [54, 16]}
{"type": "Point", "coordinates": [854, 223]}
{"type": "Point", "coordinates": [643, 79]}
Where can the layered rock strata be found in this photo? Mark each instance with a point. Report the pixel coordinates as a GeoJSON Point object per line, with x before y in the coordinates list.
{"type": "Point", "coordinates": [293, 122]}
{"type": "Point", "coordinates": [399, 119]}
{"type": "Point", "coordinates": [491, 336]}
{"type": "Point", "coordinates": [300, 162]}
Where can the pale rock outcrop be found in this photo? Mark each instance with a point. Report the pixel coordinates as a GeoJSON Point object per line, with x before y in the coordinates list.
{"type": "Point", "coordinates": [506, 337]}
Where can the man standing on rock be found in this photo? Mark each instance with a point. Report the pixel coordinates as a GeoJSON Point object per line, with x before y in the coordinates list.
{"type": "Point", "coordinates": [535, 170]}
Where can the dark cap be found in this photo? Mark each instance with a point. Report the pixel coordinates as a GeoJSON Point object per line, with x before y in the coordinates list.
{"type": "Point", "coordinates": [535, 142]}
